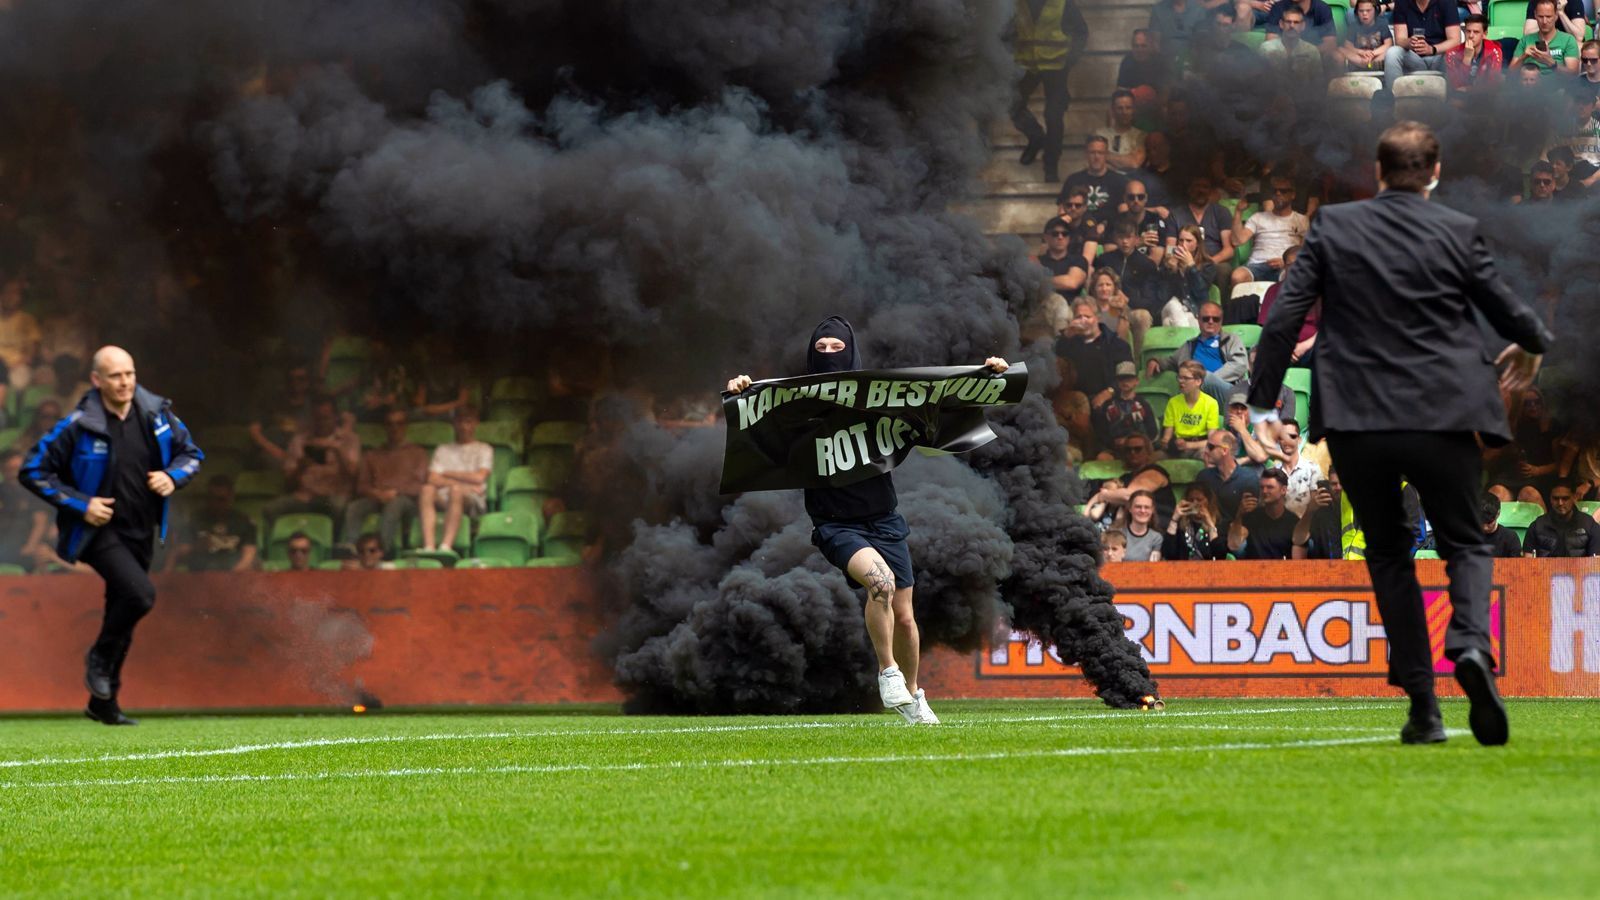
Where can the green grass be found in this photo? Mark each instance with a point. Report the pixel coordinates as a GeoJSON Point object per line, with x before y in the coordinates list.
{"type": "Point", "coordinates": [1211, 798]}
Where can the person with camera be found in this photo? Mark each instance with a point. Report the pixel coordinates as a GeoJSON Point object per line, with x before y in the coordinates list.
{"type": "Point", "coordinates": [1194, 533]}
{"type": "Point", "coordinates": [1317, 534]}
{"type": "Point", "coordinates": [1185, 279]}
{"type": "Point", "coordinates": [1264, 528]}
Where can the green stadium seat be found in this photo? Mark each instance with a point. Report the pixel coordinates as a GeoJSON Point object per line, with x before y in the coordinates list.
{"type": "Point", "coordinates": [557, 433]}
{"type": "Point", "coordinates": [417, 562]}
{"type": "Point", "coordinates": [507, 440]}
{"type": "Point", "coordinates": [1214, 294]}
{"type": "Point", "coordinates": [553, 562]}
{"type": "Point", "coordinates": [263, 484]}
{"type": "Point", "coordinates": [525, 491]}
{"type": "Point", "coordinates": [554, 463]}
{"type": "Point", "coordinates": [274, 565]}
{"type": "Point", "coordinates": [478, 562]}
{"type": "Point", "coordinates": [1427, 554]}
{"type": "Point", "coordinates": [219, 438]}
{"type": "Point", "coordinates": [1159, 390]}
{"type": "Point", "coordinates": [430, 434]}
{"type": "Point", "coordinates": [1341, 17]}
{"type": "Point", "coordinates": [1182, 471]}
{"type": "Point", "coordinates": [1589, 507]}
{"type": "Point", "coordinates": [515, 399]}
{"type": "Point", "coordinates": [347, 358]}
{"type": "Point", "coordinates": [511, 537]}
{"type": "Point", "coordinates": [1101, 469]}
{"type": "Point", "coordinates": [1161, 340]}
{"type": "Point", "coordinates": [568, 531]}
{"type": "Point", "coordinates": [371, 435]}
{"type": "Point", "coordinates": [317, 527]}
{"type": "Point", "coordinates": [1251, 39]}
{"type": "Point", "coordinates": [330, 565]}
{"type": "Point", "coordinates": [461, 547]}
{"type": "Point", "coordinates": [9, 438]}
{"type": "Point", "coordinates": [1250, 334]}
{"type": "Point", "coordinates": [1518, 516]}
{"type": "Point", "coordinates": [25, 401]}
{"type": "Point", "coordinates": [12, 569]}
{"type": "Point", "coordinates": [1298, 379]}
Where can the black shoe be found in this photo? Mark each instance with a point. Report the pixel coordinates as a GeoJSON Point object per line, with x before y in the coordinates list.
{"type": "Point", "coordinates": [1030, 153]}
{"type": "Point", "coordinates": [1050, 173]}
{"type": "Point", "coordinates": [1475, 674]}
{"type": "Point", "coordinates": [1425, 725]}
{"type": "Point", "coordinates": [97, 675]}
{"type": "Point", "coordinates": [107, 713]}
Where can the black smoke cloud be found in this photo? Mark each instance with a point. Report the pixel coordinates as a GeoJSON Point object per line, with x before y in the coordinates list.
{"type": "Point", "coordinates": [684, 191]}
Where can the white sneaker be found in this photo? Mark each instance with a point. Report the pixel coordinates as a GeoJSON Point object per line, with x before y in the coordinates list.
{"type": "Point", "coordinates": [892, 689]}
{"type": "Point", "coordinates": [925, 714]}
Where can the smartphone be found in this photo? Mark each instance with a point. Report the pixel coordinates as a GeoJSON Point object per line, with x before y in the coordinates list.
{"type": "Point", "coordinates": [1543, 46]}
{"type": "Point", "coordinates": [1324, 485]}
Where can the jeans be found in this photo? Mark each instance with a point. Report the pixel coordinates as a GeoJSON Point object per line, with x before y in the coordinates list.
{"type": "Point", "coordinates": [1401, 61]}
{"type": "Point", "coordinates": [391, 516]}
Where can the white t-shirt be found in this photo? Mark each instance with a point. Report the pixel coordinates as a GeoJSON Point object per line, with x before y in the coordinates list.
{"type": "Point", "coordinates": [1275, 234]}
{"type": "Point", "coordinates": [1121, 143]}
{"type": "Point", "coordinates": [1303, 480]}
{"type": "Point", "coordinates": [462, 458]}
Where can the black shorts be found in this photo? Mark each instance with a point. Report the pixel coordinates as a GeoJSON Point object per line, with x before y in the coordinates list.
{"type": "Point", "coordinates": [886, 534]}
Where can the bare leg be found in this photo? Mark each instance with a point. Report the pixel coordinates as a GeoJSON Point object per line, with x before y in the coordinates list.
{"type": "Point", "coordinates": [907, 641]}
{"type": "Point", "coordinates": [429, 515]}
{"type": "Point", "coordinates": [452, 518]}
{"type": "Point", "coordinates": [868, 568]}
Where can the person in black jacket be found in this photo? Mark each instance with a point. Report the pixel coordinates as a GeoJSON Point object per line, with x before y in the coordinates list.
{"type": "Point", "coordinates": [1400, 333]}
{"type": "Point", "coordinates": [109, 468]}
{"type": "Point", "coordinates": [858, 529]}
{"type": "Point", "coordinates": [1094, 351]}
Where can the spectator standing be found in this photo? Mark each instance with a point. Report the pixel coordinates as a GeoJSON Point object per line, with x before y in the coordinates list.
{"type": "Point", "coordinates": [458, 480]}
{"type": "Point", "coordinates": [1547, 47]}
{"type": "Point", "coordinates": [284, 414]}
{"type": "Point", "coordinates": [1306, 341]}
{"type": "Point", "coordinates": [1048, 36]}
{"type": "Point", "coordinates": [1143, 535]}
{"type": "Point", "coordinates": [1124, 141]}
{"type": "Point", "coordinates": [1101, 184]}
{"type": "Point", "coordinates": [1265, 526]}
{"type": "Point", "coordinates": [1317, 534]}
{"type": "Point", "coordinates": [1224, 476]}
{"type": "Point", "coordinates": [440, 386]}
{"type": "Point", "coordinates": [1503, 542]}
{"type": "Point", "coordinates": [1562, 532]}
{"type": "Point", "coordinates": [1136, 275]}
{"type": "Point", "coordinates": [1222, 356]}
{"type": "Point", "coordinates": [320, 465]}
{"type": "Point", "coordinates": [1145, 72]}
{"type": "Point", "coordinates": [1276, 228]}
{"type": "Point", "coordinates": [388, 482]}
{"type": "Point", "coordinates": [218, 537]}
{"type": "Point", "coordinates": [1424, 30]}
{"type": "Point", "coordinates": [1527, 468]}
{"type": "Point", "coordinates": [1094, 352]}
{"type": "Point", "coordinates": [1190, 415]}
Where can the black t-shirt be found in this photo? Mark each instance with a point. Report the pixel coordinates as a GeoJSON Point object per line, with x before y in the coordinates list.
{"type": "Point", "coordinates": [1094, 361]}
{"type": "Point", "coordinates": [1140, 280]}
{"type": "Point", "coordinates": [1503, 544]}
{"type": "Point", "coordinates": [1430, 23]}
{"type": "Point", "coordinates": [219, 541]}
{"type": "Point", "coordinates": [1325, 533]}
{"type": "Point", "coordinates": [134, 456]}
{"type": "Point", "coordinates": [1133, 73]}
{"type": "Point", "coordinates": [863, 500]}
{"type": "Point", "coordinates": [1268, 538]}
{"type": "Point", "coordinates": [1065, 264]}
{"type": "Point", "coordinates": [1105, 190]}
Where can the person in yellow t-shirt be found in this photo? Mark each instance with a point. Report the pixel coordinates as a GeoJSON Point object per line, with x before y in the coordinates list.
{"type": "Point", "coordinates": [1191, 415]}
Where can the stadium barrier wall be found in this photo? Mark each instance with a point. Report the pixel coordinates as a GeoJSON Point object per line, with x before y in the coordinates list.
{"type": "Point", "coordinates": [511, 636]}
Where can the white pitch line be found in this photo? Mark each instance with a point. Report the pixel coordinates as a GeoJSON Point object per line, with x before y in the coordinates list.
{"type": "Point", "coordinates": [556, 769]}
{"type": "Point", "coordinates": [865, 722]}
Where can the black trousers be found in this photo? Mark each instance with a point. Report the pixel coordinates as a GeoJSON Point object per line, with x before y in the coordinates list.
{"type": "Point", "coordinates": [124, 563]}
{"type": "Point", "coordinates": [1056, 99]}
{"type": "Point", "coordinates": [1445, 468]}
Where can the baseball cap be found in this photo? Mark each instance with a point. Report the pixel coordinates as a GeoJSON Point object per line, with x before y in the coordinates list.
{"type": "Point", "coordinates": [1126, 370]}
{"type": "Point", "coordinates": [1239, 400]}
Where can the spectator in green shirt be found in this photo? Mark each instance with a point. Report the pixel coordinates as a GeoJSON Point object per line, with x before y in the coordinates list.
{"type": "Point", "coordinates": [1549, 48]}
{"type": "Point", "coordinates": [1191, 415]}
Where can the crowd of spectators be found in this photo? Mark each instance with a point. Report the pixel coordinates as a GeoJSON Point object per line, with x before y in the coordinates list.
{"type": "Point", "coordinates": [1224, 134]}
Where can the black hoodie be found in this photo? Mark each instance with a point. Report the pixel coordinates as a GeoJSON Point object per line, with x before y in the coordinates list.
{"type": "Point", "coordinates": [866, 499]}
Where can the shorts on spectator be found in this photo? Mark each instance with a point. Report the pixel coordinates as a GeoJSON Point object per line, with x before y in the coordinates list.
{"type": "Point", "coordinates": [474, 503]}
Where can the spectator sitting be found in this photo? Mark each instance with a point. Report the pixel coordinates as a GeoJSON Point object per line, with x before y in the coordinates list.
{"type": "Point", "coordinates": [1296, 62]}
{"type": "Point", "coordinates": [1264, 528]}
{"type": "Point", "coordinates": [1093, 350]}
{"type": "Point", "coordinates": [1072, 205]}
{"type": "Point", "coordinates": [299, 550]}
{"type": "Point", "coordinates": [1530, 77]}
{"type": "Point", "coordinates": [389, 483]}
{"type": "Point", "coordinates": [1143, 475]}
{"type": "Point", "coordinates": [1113, 546]}
{"type": "Point", "coordinates": [217, 538]}
{"type": "Point", "coordinates": [1236, 421]}
{"type": "Point", "coordinates": [1541, 184]}
{"type": "Point", "coordinates": [286, 415]}
{"type": "Point", "coordinates": [1157, 169]}
{"type": "Point", "coordinates": [1105, 288]}
{"type": "Point", "coordinates": [20, 336]}
{"type": "Point", "coordinates": [1136, 275]}
{"type": "Point", "coordinates": [1195, 531]}
{"type": "Point", "coordinates": [1302, 473]}
{"type": "Point", "coordinates": [1276, 228]}
{"type": "Point", "coordinates": [23, 521]}
{"type": "Point", "coordinates": [1369, 40]}
{"type": "Point", "coordinates": [1105, 515]}
{"type": "Point", "coordinates": [1569, 18]}
{"type": "Point", "coordinates": [1224, 476]}
{"type": "Point", "coordinates": [1307, 339]}
{"type": "Point", "coordinates": [458, 481]}
{"type": "Point", "coordinates": [1563, 531]}
{"type": "Point", "coordinates": [369, 554]}
{"type": "Point", "coordinates": [1124, 142]}
{"type": "Point", "coordinates": [1503, 542]}
{"type": "Point", "coordinates": [1150, 222]}
{"type": "Point", "coordinates": [1073, 412]}
{"type": "Point", "coordinates": [1178, 22]}
{"type": "Point", "coordinates": [1126, 413]}
{"type": "Point", "coordinates": [1316, 25]}
{"type": "Point", "coordinates": [1144, 72]}
{"type": "Point", "coordinates": [1562, 162]}
{"type": "Point", "coordinates": [45, 416]}
{"type": "Point", "coordinates": [1068, 271]}
{"type": "Point", "coordinates": [1216, 233]}
{"type": "Point", "coordinates": [1474, 67]}
{"type": "Point", "coordinates": [320, 466]}
{"type": "Point", "coordinates": [1547, 46]}
{"type": "Point", "coordinates": [1222, 356]}
{"type": "Point", "coordinates": [1588, 74]}
{"type": "Point", "coordinates": [1100, 183]}
{"type": "Point", "coordinates": [1143, 534]}
{"type": "Point", "coordinates": [1582, 130]}
{"type": "Point", "coordinates": [1190, 415]}
{"type": "Point", "coordinates": [1317, 534]}
{"type": "Point", "coordinates": [1528, 466]}
{"type": "Point", "coordinates": [1424, 30]}
{"type": "Point", "coordinates": [1185, 279]}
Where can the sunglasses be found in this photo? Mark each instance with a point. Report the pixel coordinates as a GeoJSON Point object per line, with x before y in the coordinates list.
{"type": "Point", "coordinates": [1589, 60]}
{"type": "Point", "coordinates": [1211, 318]}
{"type": "Point", "coordinates": [1074, 205]}
{"type": "Point", "coordinates": [1544, 181]}
{"type": "Point", "coordinates": [1135, 196]}
{"type": "Point", "coordinates": [1213, 446]}
{"type": "Point", "coordinates": [1279, 190]}
{"type": "Point", "coordinates": [1057, 233]}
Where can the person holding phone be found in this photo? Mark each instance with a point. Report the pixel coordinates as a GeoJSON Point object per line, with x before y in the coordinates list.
{"type": "Point", "coordinates": [1424, 31]}
{"type": "Point", "coordinates": [1547, 47]}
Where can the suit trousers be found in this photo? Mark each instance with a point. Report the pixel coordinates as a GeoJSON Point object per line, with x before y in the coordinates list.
{"type": "Point", "coordinates": [124, 563]}
{"type": "Point", "coordinates": [1445, 468]}
{"type": "Point", "coordinates": [1057, 97]}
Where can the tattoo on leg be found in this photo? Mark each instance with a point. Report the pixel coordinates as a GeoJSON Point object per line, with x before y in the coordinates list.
{"type": "Point", "coordinates": [880, 584]}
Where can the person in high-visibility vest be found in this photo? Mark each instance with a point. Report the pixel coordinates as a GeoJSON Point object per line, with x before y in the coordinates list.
{"type": "Point", "coordinates": [1047, 37]}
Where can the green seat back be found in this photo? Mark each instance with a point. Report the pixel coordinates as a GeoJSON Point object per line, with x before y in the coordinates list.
{"type": "Point", "coordinates": [9, 438]}
{"type": "Point", "coordinates": [1427, 554]}
{"type": "Point", "coordinates": [479, 562]}
{"type": "Point", "coordinates": [1589, 507]}
{"type": "Point", "coordinates": [1509, 13]}
{"type": "Point", "coordinates": [417, 562]}
{"type": "Point", "coordinates": [430, 434]}
{"type": "Point", "coordinates": [1101, 469]}
{"type": "Point", "coordinates": [1299, 380]}
{"type": "Point", "coordinates": [371, 434]}
{"type": "Point", "coordinates": [1519, 516]}
{"type": "Point", "coordinates": [330, 565]}
{"type": "Point", "coordinates": [1161, 340]}
{"type": "Point", "coordinates": [1250, 334]}
{"type": "Point", "coordinates": [553, 562]}
{"type": "Point", "coordinates": [12, 569]}
{"type": "Point", "coordinates": [570, 524]}
{"type": "Point", "coordinates": [563, 548]}
{"type": "Point", "coordinates": [563, 433]}
{"type": "Point", "coordinates": [507, 536]}
{"type": "Point", "coordinates": [1158, 391]}
{"type": "Point", "coordinates": [1182, 471]}
{"type": "Point", "coordinates": [1341, 16]}
{"type": "Point", "coordinates": [258, 484]}
{"type": "Point", "coordinates": [553, 463]}
{"type": "Point", "coordinates": [317, 527]}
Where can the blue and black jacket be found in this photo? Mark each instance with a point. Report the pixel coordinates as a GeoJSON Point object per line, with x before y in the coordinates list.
{"type": "Point", "coordinates": [69, 465]}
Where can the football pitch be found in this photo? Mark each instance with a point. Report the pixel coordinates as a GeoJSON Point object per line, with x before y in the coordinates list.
{"type": "Point", "coordinates": [1230, 798]}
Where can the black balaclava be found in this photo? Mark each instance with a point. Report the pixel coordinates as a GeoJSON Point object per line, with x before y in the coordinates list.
{"type": "Point", "coordinates": [846, 360]}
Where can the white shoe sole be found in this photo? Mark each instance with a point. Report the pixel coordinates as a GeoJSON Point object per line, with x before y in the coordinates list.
{"type": "Point", "coordinates": [892, 691]}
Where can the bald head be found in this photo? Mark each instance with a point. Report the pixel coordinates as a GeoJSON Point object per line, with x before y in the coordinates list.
{"type": "Point", "coordinates": [113, 375]}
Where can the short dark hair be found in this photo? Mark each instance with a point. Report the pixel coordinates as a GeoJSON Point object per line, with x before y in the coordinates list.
{"type": "Point", "coordinates": [1474, 19]}
{"type": "Point", "coordinates": [1541, 167]}
{"type": "Point", "coordinates": [299, 535]}
{"type": "Point", "coordinates": [1291, 10]}
{"type": "Point", "coordinates": [1373, 3]}
{"type": "Point", "coordinates": [1561, 153]}
{"type": "Point", "coordinates": [1293, 422]}
{"type": "Point", "coordinates": [1226, 11]}
{"type": "Point", "coordinates": [1095, 139]}
{"type": "Point", "coordinates": [1488, 508]}
{"type": "Point", "coordinates": [1532, 67]}
{"type": "Point", "coordinates": [1119, 93]}
{"type": "Point", "coordinates": [1539, 3]}
{"type": "Point", "coordinates": [1056, 222]}
{"type": "Point", "coordinates": [1124, 227]}
{"type": "Point", "coordinates": [1407, 154]}
{"type": "Point", "coordinates": [369, 537]}
{"type": "Point", "coordinates": [1075, 191]}
{"type": "Point", "coordinates": [1275, 475]}
{"type": "Point", "coordinates": [467, 411]}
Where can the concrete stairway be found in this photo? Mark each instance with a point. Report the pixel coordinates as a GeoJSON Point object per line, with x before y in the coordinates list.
{"type": "Point", "coordinates": [1009, 198]}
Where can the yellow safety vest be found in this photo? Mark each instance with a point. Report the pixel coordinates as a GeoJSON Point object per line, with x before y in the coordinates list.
{"type": "Point", "coordinates": [1041, 45]}
{"type": "Point", "coordinates": [1352, 540]}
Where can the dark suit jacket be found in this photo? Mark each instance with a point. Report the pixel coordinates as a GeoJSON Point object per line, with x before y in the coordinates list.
{"type": "Point", "coordinates": [1406, 286]}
